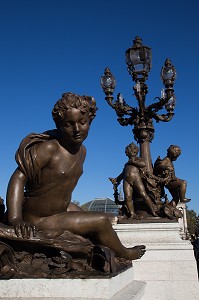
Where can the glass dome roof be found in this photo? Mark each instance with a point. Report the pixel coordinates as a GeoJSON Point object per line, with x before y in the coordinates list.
{"type": "Point", "coordinates": [102, 205]}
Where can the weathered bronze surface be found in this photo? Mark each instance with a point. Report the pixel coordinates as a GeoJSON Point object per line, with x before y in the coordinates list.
{"type": "Point", "coordinates": [50, 233]}
{"type": "Point", "coordinates": [143, 191]}
{"type": "Point", "coordinates": [132, 181]}
{"type": "Point", "coordinates": [165, 169]}
{"type": "Point", "coordinates": [143, 182]}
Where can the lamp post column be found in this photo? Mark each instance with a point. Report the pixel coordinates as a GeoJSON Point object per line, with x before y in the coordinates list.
{"type": "Point", "coordinates": [143, 134]}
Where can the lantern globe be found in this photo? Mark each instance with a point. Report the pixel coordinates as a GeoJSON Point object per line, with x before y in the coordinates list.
{"type": "Point", "coordinates": [138, 60]}
{"type": "Point", "coordinates": [108, 81]}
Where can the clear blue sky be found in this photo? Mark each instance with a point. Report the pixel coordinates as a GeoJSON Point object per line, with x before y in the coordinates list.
{"type": "Point", "coordinates": [53, 46]}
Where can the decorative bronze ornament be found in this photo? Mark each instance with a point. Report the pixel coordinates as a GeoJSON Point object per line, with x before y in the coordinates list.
{"type": "Point", "coordinates": [138, 60]}
{"type": "Point", "coordinates": [144, 184]}
{"type": "Point", "coordinates": [108, 82]}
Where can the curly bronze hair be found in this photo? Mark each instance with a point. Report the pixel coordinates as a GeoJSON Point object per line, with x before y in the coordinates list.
{"type": "Point", "coordinates": [174, 150]}
{"type": "Point", "coordinates": [85, 104]}
{"type": "Point", "coordinates": [132, 148]}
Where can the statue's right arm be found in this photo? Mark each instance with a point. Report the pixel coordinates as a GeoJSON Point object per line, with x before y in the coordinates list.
{"type": "Point", "coordinates": [15, 192]}
{"type": "Point", "coordinates": [118, 179]}
{"type": "Point", "coordinates": [14, 201]}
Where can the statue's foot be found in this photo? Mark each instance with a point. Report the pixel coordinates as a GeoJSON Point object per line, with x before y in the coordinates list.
{"type": "Point", "coordinates": [141, 215]}
{"type": "Point", "coordinates": [122, 218]}
{"type": "Point", "coordinates": [136, 252]}
{"type": "Point", "coordinates": [173, 203]}
{"type": "Point", "coordinates": [185, 200]}
{"type": "Point", "coordinates": [154, 214]}
{"type": "Point", "coordinates": [132, 215]}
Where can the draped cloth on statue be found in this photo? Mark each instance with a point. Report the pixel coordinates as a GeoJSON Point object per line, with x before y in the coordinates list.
{"type": "Point", "coordinates": [26, 157]}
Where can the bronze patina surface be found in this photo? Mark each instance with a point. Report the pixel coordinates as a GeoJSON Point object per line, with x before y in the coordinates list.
{"type": "Point", "coordinates": [53, 236]}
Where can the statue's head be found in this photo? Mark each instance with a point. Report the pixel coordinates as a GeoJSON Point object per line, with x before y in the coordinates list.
{"type": "Point", "coordinates": [131, 150]}
{"type": "Point", "coordinates": [73, 115]}
{"type": "Point", "coordinates": [173, 152]}
{"type": "Point", "coordinates": [69, 101]}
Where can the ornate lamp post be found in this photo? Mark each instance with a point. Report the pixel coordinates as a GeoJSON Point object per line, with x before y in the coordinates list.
{"type": "Point", "coordinates": [138, 60]}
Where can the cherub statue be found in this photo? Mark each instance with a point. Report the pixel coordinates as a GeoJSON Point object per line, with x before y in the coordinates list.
{"type": "Point", "coordinates": [164, 168]}
{"type": "Point", "coordinates": [49, 167]}
{"type": "Point", "coordinates": [132, 180]}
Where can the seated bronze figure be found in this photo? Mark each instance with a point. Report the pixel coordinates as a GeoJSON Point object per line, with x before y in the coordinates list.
{"type": "Point", "coordinates": [164, 168]}
{"type": "Point", "coordinates": [49, 167]}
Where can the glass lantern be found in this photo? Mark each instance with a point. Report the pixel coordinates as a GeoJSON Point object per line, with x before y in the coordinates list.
{"type": "Point", "coordinates": [170, 105]}
{"type": "Point", "coordinates": [168, 73]}
{"type": "Point", "coordinates": [138, 60]}
{"type": "Point", "coordinates": [108, 82]}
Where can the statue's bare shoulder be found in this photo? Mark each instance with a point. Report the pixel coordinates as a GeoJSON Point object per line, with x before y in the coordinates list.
{"type": "Point", "coordinates": [45, 151]}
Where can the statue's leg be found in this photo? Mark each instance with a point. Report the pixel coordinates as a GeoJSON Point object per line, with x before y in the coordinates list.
{"type": "Point", "coordinates": [174, 189]}
{"type": "Point", "coordinates": [84, 223]}
{"type": "Point", "coordinates": [182, 190]}
{"type": "Point", "coordinates": [128, 197]}
{"type": "Point", "coordinates": [139, 187]}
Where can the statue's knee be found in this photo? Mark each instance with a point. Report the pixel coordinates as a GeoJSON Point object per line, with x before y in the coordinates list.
{"type": "Point", "coordinates": [104, 220]}
{"type": "Point", "coordinates": [184, 183]}
{"type": "Point", "coordinates": [143, 194]}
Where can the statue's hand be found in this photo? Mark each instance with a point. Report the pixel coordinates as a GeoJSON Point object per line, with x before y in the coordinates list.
{"type": "Point", "coordinates": [113, 181]}
{"type": "Point", "coordinates": [23, 228]}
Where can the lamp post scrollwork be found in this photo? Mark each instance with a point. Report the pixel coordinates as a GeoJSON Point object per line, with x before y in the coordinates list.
{"type": "Point", "coordinates": [138, 60]}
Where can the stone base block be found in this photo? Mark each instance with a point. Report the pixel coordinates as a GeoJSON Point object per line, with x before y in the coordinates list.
{"type": "Point", "coordinates": [171, 290]}
{"type": "Point", "coordinates": [148, 233]}
{"type": "Point", "coordinates": [168, 267]}
{"type": "Point", "coordinates": [110, 288]}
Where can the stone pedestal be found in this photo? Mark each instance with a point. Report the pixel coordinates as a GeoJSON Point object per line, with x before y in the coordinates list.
{"type": "Point", "coordinates": [168, 267]}
{"type": "Point", "coordinates": [183, 221]}
{"type": "Point", "coordinates": [119, 287]}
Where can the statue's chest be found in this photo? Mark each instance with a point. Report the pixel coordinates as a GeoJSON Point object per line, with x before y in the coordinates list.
{"type": "Point", "coordinates": [67, 167]}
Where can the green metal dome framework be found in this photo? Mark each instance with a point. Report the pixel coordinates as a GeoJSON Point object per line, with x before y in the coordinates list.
{"type": "Point", "coordinates": [102, 205]}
